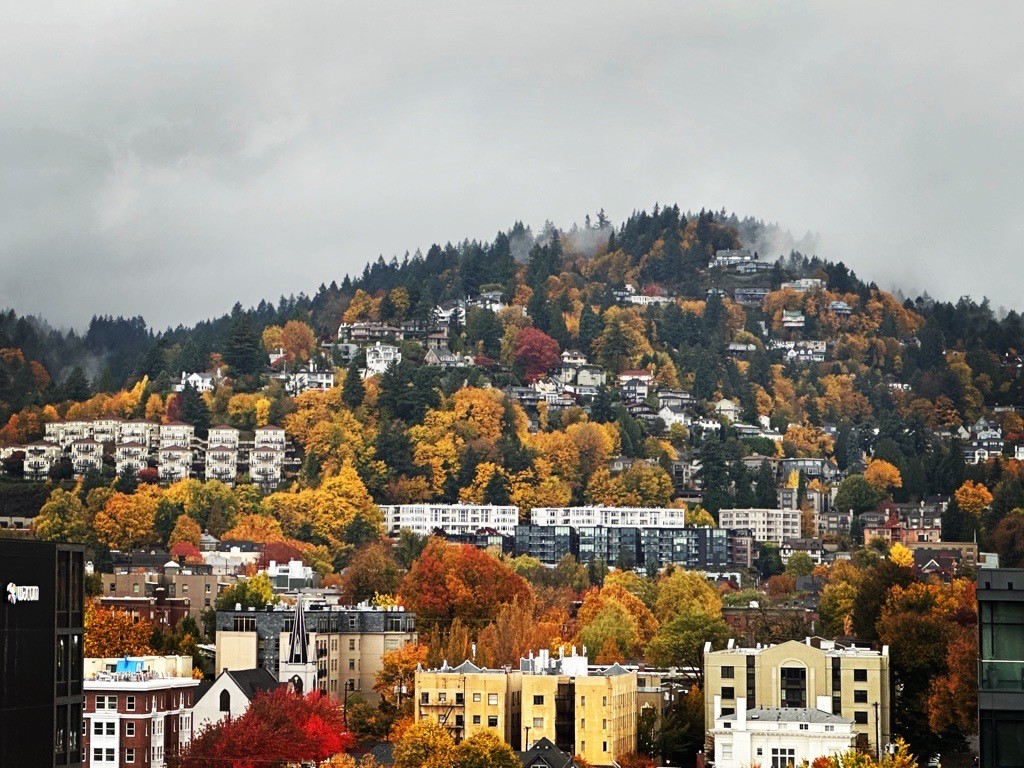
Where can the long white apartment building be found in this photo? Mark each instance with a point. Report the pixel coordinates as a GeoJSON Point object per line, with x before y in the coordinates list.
{"type": "Point", "coordinates": [452, 519]}
{"type": "Point", "coordinates": [767, 525]}
{"type": "Point", "coordinates": [610, 517]}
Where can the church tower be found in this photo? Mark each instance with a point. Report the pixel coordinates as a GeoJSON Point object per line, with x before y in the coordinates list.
{"type": "Point", "coordinates": [297, 667]}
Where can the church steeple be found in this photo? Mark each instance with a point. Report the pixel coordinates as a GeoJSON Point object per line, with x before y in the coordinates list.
{"type": "Point", "coordinates": [298, 652]}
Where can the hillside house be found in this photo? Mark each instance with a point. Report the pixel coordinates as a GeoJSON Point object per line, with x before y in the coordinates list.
{"type": "Point", "coordinates": [380, 357]}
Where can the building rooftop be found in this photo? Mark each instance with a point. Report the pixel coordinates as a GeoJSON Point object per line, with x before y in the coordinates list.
{"type": "Point", "coordinates": [790, 715]}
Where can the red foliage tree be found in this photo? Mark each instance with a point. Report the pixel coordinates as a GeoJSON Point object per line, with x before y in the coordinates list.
{"type": "Point", "coordinates": [150, 475]}
{"type": "Point", "coordinates": [186, 551]}
{"type": "Point", "coordinates": [279, 728]}
{"type": "Point", "coordinates": [451, 581]}
{"type": "Point", "coordinates": [535, 351]}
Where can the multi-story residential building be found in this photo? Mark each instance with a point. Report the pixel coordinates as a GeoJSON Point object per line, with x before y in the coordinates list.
{"type": "Point", "coordinates": [776, 737]}
{"type": "Point", "coordinates": [41, 641]}
{"type": "Point", "coordinates": [906, 523]}
{"type": "Point", "coordinates": [795, 675]}
{"type": "Point", "coordinates": [368, 331]}
{"type": "Point", "coordinates": [1001, 668]}
{"type": "Point", "coordinates": [547, 543]}
{"type": "Point", "coordinates": [696, 547]}
{"type": "Point", "coordinates": [269, 436]}
{"type": "Point", "coordinates": [75, 430]}
{"type": "Point", "coordinates": [86, 455]}
{"type": "Point", "coordinates": [833, 523]}
{"type": "Point", "coordinates": [265, 466]}
{"type": "Point", "coordinates": [139, 431]}
{"type": "Point", "coordinates": [40, 457]}
{"type": "Point", "coordinates": [380, 357]}
{"type": "Point", "coordinates": [201, 589]}
{"type": "Point", "coordinates": [222, 463]}
{"type": "Point", "coordinates": [766, 525]}
{"type": "Point", "coordinates": [615, 546]}
{"type": "Point", "coordinates": [130, 458]}
{"type": "Point", "coordinates": [157, 610]}
{"type": "Point", "coordinates": [223, 434]}
{"type": "Point", "coordinates": [176, 433]}
{"type": "Point", "coordinates": [468, 699]}
{"type": "Point", "coordinates": [450, 519]}
{"type": "Point", "coordinates": [593, 715]}
{"type": "Point", "coordinates": [812, 468]}
{"type": "Point", "coordinates": [137, 710]}
{"type": "Point", "coordinates": [350, 642]}
{"type": "Point", "coordinates": [200, 382]}
{"type": "Point", "coordinates": [803, 285]}
{"type": "Point", "coordinates": [106, 430]}
{"type": "Point", "coordinates": [174, 463]}
{"type": "Point", "coordinates": [612, 517]}
{"type": "Point", "coordinates": [312, 377]}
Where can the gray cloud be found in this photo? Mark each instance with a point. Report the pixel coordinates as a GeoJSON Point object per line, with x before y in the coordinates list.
{"type": "Point", "coordinates": [167, 159]}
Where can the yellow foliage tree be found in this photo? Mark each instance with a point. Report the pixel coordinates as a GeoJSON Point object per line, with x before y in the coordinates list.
{"type": "Point", "coordinates": [883, 476]}
{"type": "Point", "coordinates": [901, 555]}
{"type": "Point", "coordinates": [973, 497]}
{"type": "Point", "coordinates": [110, 633]}
{"type": "Point", "coordinates": [185, 529]}
{"type": "Point", "coordinates": [126, 520]}
{"type": "Point", "coordinates": [685, 591]}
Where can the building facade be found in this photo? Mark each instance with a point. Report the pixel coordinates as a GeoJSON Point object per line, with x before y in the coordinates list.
{"type": "Point", "coordinates": [41, 659]}
{"type": "Point", "coordinates": [451, 519]}
{"type": "Point", "coordinates": [612, 517]}
{"type": "Point", "coordinates": [138, 711]}
{"type": "Point", "coordinates": [766, 525]}
{"type": "Point", "coordinates": [1001, 672]}
{"type": "Point", "coordinates": [800, 675]}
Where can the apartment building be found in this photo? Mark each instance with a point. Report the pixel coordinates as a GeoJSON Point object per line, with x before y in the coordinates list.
{"type": "Point", "coordinates": [592, 714]}
{"type": "Point", "coordinates": [137, 710]}
{"type": "Point", "coordinates": [766, 525]}
{"type": "Point", "coordinates": [468, 699]}
{"type": "Point", "coordinates": [795, 675]}
{"type": "Point", "coordinates": [86, 455]}
{"type": "Point", "coordinates": [265, 466]}
{"type": "Point", "coordinates": [201, 589]}
{"type": "Point", "coordinates": [350, 642]}
{"type": "Point", "coordinates": [451, 519]}
{"type": "Point", "coordinates": [139, 431]}
{"type": "Point", "coordinates": [106, 430]}
{"type": "Point", "coordinates": [130, 458]}
{"type": "Point", "coordinates": [223, 434]}
{"type": "Point", "coordinates": [176, 433]}
{"type": "Point", "coordinates": [174, 463]}
{"type": "Point", "coordinates": [614, 517]}
{"type": "Point", "coordinates": [40, 457]}
{"type": "Point", "coordinates": [269, 436]}
{"type": "Point", "coordinates": [222, 463]}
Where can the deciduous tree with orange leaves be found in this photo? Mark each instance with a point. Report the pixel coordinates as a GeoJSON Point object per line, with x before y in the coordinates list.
{"type": "Point", "coordinates": [973, 497]}
{"type": "Point", "coordinates": [883, 476]}
{"type": "Point", "coordinates": [110, 633]}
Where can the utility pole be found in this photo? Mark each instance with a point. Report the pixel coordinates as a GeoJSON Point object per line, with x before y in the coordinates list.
{"type": "Point", "coordinates": [878, 735]}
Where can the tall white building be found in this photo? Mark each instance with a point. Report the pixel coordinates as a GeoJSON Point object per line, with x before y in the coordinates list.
{"type": "Point", "coordinates": [612, 517]}
{"type": "Point", "coordinates": [452, 519]}
{"type": "Point", "coordinates": [767, 525]}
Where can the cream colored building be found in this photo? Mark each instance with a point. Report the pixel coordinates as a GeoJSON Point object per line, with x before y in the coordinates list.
{"type": "Point", "coordinates": [468, 699]}
{"type": "Point", "coordinates": [593, 714]}
{"type": "Point", "coordinates": [799, 675]}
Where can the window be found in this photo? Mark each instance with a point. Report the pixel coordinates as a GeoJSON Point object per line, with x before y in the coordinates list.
{"type": "Point", "coordinates": [225, 701]}
{"type": "Point", "coordinates": [129, 755]}
{"type": "Point", "coordinates": [538, 722]}
{"type": "Point", "coordinates": [829, 728]}
{"type": "Point", "coordinates": [97, 754]}
{"type": "Point", "coordinates": [492, 699]}
{"type": "Point", "coordinates": [583, 701]}
{"type": "Point", "coordinates": [729, 693]}
{"type": "Point", "coordinates": [538, 701]}
{"type": "Point", "coordinates": [442, 696]}
{"type": "Point", "coordinates": [861, 717]}
{"type": "Point", "coordinates": [477, 697]}
{"type": "Point", "coordinates": [424, 698]}
{"type": "Point", "coordinates": [583, 723]}
{"type": "Point", "coordinates": [492, 721]}
{"type": "Point", "coordinates": [604, 725]}
{"type": "Point", "coordinates": [727, 751]}
{"type": "Point", "coordinates": [604, 746]}
{"type": "Point", "coordinates": [860, 675]}
{"type": "Point", "coordinates": [583, 746]}
{"type": "Point", "coordinates": [604, 701]}
{"type": "Point", "coordinates": [804, 726]}
{"type": "Point", "coordinates": [476, 719]}
{"type": "Point", "coordinates": [783, 758]}
{"type": "Point", "coordinates": [351, 622]}
{"type": "Point", "coordinates": [351, 645]}
{"type": "Point", "coordinates": [728, 673]}
{"type": "Point", "coordinates": [794, 687]}
{"type": "Point", "coordinates": [860, 697]}
{"type": "Point", "coordinates": [459, 698]}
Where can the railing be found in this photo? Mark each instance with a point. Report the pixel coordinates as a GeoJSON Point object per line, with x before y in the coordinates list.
{"type": "Point", "coordinates": [1001, 675]}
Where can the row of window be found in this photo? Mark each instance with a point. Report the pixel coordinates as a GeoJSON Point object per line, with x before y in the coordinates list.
{"type": "Point", "coordinates": [859, 696]}
{"type": "Point", "coordinates": [859, 675]}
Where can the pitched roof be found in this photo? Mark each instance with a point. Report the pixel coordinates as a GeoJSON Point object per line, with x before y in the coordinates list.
{"type": "Point", "coordinates": [253, 681]}
{"type": "Point", "coordinates": [790, 715]}
{"type": "Point", "coordinates": [545, 753]}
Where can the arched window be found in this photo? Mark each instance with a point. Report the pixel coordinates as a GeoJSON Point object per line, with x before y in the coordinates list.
{"type": "Point", "coordinates": [225, 701]}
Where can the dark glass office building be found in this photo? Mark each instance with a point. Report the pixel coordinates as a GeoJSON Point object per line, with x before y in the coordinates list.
{"type": "Point", "coordinates": [1001, 668]}
{"type": "Point", "coordinates": [41, 655]}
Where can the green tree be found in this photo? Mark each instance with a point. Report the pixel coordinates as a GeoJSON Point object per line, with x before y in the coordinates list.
{"type": "Point", "coordinates": [254, 592]}
{"type": "Point", "coordinates": [800, 564]}
{"type": "Point", "coordinates": [194, 411]}
{"type": "Point", "coordinates": [63, 518]}
{"type": "Point", "coordinates": [856, 494]}
{"type": "Point", "coordinates": [76, 385]}
{"type": "Point", "coordinates": [485, 749]}
{"type": "Point", "coordinates": [244, 349]}
{"type": "Point", "coordinates": [352, 390]}
{"type": "Point", "coordinates": [680, 641]}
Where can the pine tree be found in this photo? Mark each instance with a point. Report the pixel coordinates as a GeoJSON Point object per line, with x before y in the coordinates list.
{"type": "Point", "coordinates": [76, 386]}
{"type": "Point", "coordinates": [590, 328]}
{"type": "Point", "coordinates": [765, 493]}
{"type": "Point", "coordinates": [194, 411]}
{"type": "Point", "coordinates": [243, 353]}
{"type": "Point", "coordinates": [496, 491]}
{"type": "Point", "coordinates": [353, 391]}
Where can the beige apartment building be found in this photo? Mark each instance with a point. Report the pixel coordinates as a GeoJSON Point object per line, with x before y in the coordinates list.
{"type": "Point", "coordinates": [201, 589]}
{"type": "Point", "coordinates": [593, 714]}
{"type": "Point", "coordinates": [844, 680]}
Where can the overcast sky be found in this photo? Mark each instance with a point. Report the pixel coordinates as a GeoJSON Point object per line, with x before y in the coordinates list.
{"type": "Point", "coordinates": [168, 158]}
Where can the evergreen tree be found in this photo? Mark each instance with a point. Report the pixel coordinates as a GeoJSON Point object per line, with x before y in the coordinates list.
{"type": "Point", "coordinates": [76, 385]}
{"type": "Point", "coordinates": [190, 359]}
{"type": "Point", "coordinates": [496, 491]}
{"type": "Point", "coordinates": [765, 493]}
{"type": "Point", "coordinates": [194, 411]}
{"type": "Point", "coordinates": [590, 328]}
{"type": "Point", "coordinates": [353, 391]}
{"type": "Point", "coordinates": [244, 350]}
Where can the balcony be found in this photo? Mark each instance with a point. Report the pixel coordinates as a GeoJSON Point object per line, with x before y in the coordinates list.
{"type": "Point", "coordinates": [1001, 676]}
